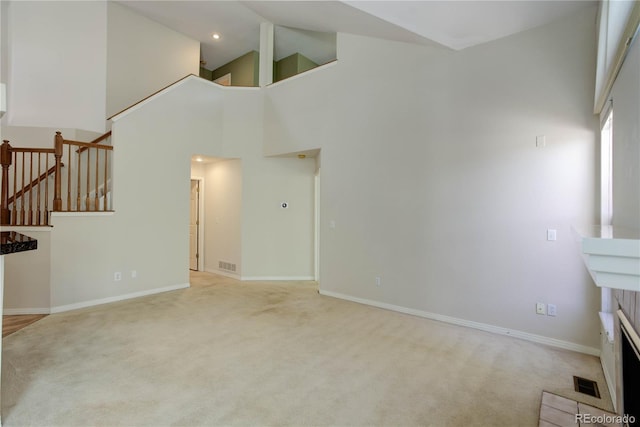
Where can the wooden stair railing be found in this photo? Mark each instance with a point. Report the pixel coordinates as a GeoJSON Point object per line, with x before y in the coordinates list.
{"type": "Point", "coordinates": [33, 183]}
{"type": "Point", "coordinates": [94, 180]}
{"type": "Point", "coordinates": [24, 157]}
{"type": "Point", "coordinates": [95, 141]}
{"type": "Point", "coordinates": [30, 203]}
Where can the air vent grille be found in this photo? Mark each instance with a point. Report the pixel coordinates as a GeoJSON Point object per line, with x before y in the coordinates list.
{"type": "Point", "coordinates": [586, 386]}
{"type": "Point", "coordinates": [223, 265]}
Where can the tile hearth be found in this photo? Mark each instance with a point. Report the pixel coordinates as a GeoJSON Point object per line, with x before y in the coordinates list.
{"type": "Point", "coordinates": [557, 411]}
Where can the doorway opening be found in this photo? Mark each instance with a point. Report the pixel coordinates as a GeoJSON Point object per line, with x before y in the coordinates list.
{"type": "Point", "coordinates": [282, 245]}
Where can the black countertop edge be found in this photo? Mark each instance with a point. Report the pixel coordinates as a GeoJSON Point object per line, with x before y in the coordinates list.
{"type": "Point", "coordinates": [12, 242]}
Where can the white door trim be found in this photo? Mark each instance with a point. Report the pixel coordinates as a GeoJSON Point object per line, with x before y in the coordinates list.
{"type": "Point", "coordinates": [201, 217]}
{"type": "Point", "coordinates": [316, 226]}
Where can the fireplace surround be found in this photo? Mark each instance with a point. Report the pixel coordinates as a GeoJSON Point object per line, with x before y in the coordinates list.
{"type": "Point", "coordinates": [629, 370]}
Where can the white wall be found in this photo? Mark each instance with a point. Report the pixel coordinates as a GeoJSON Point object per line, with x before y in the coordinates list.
{"type": "Point", "coordinates": [3, 50]}
{"type": "Point", "coordinates": [73, 64]}
{"type": "Point", "coordinates": [4, 39]}
{"type": "Point", "coordinates": [626, 148]}
{"type": "Point", "coordinates": [26, 288]}
{"type": "Point", "coordinates": [223, 210]}
{"type": "Point", "coordinates": [143, 57]}
{"type": "Point", "coordinates": [57, 62]}
{"type": "Point", "coordinates": [36, 137]}
{"type": "Point", "coordinates": [432, 177]}
{"type": "Point", "coordinates": [148, 232]}
{"type": "Point", "coordinates": [277, 243]}
{"type": "Point", "coordinates": [144, 234]}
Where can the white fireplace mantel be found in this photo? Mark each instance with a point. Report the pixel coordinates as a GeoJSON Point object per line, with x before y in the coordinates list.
{"type": "Point", "coordinates": [612, 256]}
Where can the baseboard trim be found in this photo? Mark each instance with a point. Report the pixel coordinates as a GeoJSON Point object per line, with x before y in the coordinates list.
{"type": "Point", "coordinates": [257, 278]}
{"type": "Point", "coordinates": [553, 342]}
{"type": "Point", "coordinates": [610, 384]}
{"type": "Point", "coordinates": [26, 228]}
{"type": "Point", "coordinates": [223, 273]}
{"type": "Point", "coordinates": [91, 303]}
{"type": "Point", "coordinates": [276, 278]}
{"type": "Point", "coordinates": [18, 311]}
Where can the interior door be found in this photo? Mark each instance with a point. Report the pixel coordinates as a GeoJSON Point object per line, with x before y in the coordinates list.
{"type": "Point", "coordinates": [194, 224]}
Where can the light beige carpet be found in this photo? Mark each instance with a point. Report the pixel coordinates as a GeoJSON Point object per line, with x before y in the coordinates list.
{"type": "Point", "coordinates": [239, 353]}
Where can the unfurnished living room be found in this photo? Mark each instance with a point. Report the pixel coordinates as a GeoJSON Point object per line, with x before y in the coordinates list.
{"type": "Point", "coordinates": [337, 213]}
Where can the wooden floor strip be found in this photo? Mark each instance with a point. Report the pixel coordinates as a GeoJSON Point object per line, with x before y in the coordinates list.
{"type": "Point", "coordinates": [11, 324]}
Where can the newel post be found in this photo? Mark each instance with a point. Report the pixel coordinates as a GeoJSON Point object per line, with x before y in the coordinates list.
{"type": "Point", "coordinates": [5, 160]}
{"type": "Point", "coordinates": [57, 195]}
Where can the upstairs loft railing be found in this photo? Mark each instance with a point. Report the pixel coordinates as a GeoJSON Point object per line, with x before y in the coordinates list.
{"type": "Point", "coordinates": [83, 187]}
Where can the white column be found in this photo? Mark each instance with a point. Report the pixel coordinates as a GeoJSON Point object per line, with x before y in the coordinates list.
{"type": "Point", "coordinates": [266, 54]}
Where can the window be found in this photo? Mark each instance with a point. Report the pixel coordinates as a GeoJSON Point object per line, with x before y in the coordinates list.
{"type": "Point", "coordinates": [606, 190]}
{"type": "Point", "coordinates": [606, 170]}
{"type": "Point", "coordinates": [617, 25]}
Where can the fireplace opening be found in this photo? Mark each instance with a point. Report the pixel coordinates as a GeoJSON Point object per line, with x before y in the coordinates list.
{"type": "Point", "coordinates": [630, 357]}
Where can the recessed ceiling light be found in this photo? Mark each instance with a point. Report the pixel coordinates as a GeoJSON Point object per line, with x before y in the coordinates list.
{"type": "Point", "coordinates": [216, 36]}
{"type": "Point", "coordinates": [199, 159]}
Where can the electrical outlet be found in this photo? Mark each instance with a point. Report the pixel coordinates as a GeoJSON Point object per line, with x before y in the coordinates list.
{"type": "Point", "coordinates": [117, 276]}
{"type": "Point", "coordinates": [552, 235]}
{"type": "Point", "coordinates": [134, 274]}
{"type": "Point", "coordinates": [378, 281]}
{"type": "Point", "coordinates": [541, 308]}
{"type": "Point", "coordinates": [551, 309]}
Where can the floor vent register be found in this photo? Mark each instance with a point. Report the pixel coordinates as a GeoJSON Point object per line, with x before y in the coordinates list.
{"type": "Point", "coordinates": [586, 386]}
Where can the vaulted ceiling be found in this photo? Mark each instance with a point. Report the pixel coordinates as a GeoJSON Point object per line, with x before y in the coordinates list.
{"type": "Point", "coordinates": [451, 24]}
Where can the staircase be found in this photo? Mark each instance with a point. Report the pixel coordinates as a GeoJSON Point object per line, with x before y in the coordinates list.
{"type": "Point", "coordinates": [39, 185]}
